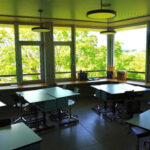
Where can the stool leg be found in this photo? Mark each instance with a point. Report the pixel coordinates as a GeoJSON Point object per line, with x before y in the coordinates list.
{"type": "Point", "coordinates": [138, 144]}
{"type": "Point", "coordinates": [70, 112]}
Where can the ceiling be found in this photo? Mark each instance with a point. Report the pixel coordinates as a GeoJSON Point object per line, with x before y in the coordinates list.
{"type": "Point", "coordinates": [74, 9]}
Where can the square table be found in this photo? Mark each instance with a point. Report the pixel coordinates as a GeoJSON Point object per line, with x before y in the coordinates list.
{"type": "Point", "coordinates": [119, 88]}
{"type": "Point", "coordinates": [56, 96]}
{"type": "Point", "coordinates": [62, 96]}
{"type": "Point", "coordinates": [35, 97]}
{"type": "Point", "coordinates": [112, 92]}
{"type": "Point", "coordinates": [142, 120]}
{"type": "Point", "coordinates": [17, 136]}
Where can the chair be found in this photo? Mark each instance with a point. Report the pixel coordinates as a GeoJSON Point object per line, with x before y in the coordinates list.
{"type": "Point", "coordinates": [70, 103]}
{"type": "Point", "coordinates": [100, 108]}
{"type": "Point", "coordinates": [140, 133]}
{"type": "Point", "coordinates": [25, 108]}
{"type": "Point", "coordinates": [132, 103]}
{"type": "Point", "coordinates": [128, 105]}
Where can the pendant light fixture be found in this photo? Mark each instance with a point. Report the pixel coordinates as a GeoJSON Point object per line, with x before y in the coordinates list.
{"type": "Point", "coordinates": [41, 28]}
{"type": "Point", "coordinates": [109, 31]}
{"type": "Point", "coordinates": [101, 13]}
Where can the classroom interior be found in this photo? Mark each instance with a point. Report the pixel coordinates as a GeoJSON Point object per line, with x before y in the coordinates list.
{"type": "Point", "coordinates": [77, 55]}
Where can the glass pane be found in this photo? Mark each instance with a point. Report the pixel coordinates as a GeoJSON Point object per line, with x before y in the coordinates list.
{"type": "Point", "coordinates": [130, 52]}
{"type": "Point", "coordinates": [97, 74]}
{"type": "Point", "coordinates": [26, 33]}
{"type": "Point", "coordinates": [7, 54]}
{"type": "Point", "coordinates": [31, 77]}
{"type": "Point", "coordinates": [62, 61]}
{"type": "Point", "coordinates": [63, 75]}
{"type": "Point", "coordinates": [62, 34]}
{"type": "Point", "coordinates": [30, 62]}
{"type": "Point", "coordinates": [136, 75]}
{"type": "Point", "coordinates": [91, 52]}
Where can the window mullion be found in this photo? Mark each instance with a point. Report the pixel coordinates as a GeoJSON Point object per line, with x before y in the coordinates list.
{"type": "Point", "coordinates": [18, 56]}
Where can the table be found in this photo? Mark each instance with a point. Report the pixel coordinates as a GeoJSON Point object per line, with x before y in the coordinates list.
{"type": "Point", "coordinates": [119, 88]}
{"type": "Point", "coordinates": [2, 104]}
{"type": "Point", "coordinates": [112, 92]}
{"type": "Point", "coordinates": [55, 95]}
{"type": "Point", "coordinates": [36, 96]}
{"type": "Point", "coordinates": [142, 120]}
{"type": "Point", "coordinates": [17, 136]}
{"type": "Point", "coordinates": [58, 92]}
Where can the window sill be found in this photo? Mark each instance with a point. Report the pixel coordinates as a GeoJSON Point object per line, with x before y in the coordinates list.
{"type": "Point", "coordinates": [22, 87]}
{"type": "Point", "coordinates": [101, 81]}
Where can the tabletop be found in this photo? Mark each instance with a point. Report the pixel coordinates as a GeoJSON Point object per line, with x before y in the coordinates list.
{"type": "Point", "coordinates": [46, 94]}
{"type": "Point", "coordinates": [17, 136]}
{"type": "Point", "coordinates": [58, 92]}
{"type": "Point", "coordinates": [2, 104]}
{"type": "Point", "coordinates": [119, 88]}
{"type": "Point", "coordinates": [142, 120]}
{"type": "Point", "coordinates": [35, 96]}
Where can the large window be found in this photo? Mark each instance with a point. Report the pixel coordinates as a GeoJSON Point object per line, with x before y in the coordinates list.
{"type": "Point", "coordinates": [30, 62]}
{"type": "Point", "coordinates": [25, 50]}
{"type": "Point", "coordinates": [91, 52]}
{"type": "Point", "coordinates": [30, 47]}
{"type": "Point", "coordinates": [62, 47]}
{"type": "Point", "coordinates": [7, 54]}
{"type": "Point", "coordinates": [63, 61]}
{"type": "Point", "coordinates": [130, 52]}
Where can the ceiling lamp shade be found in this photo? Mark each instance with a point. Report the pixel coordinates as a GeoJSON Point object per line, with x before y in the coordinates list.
{"type": "Point", "coordinates": [41, 28]}
{"type": "Point", "coordinates": [108, 32]}
{"type": "Point", "coordinates": [101, 13]}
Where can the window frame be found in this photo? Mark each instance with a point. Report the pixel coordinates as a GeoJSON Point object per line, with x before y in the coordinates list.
{"type": "Point", "coordinates": [32, 43]}
{"type": "Point", "coordinates": [18, 57]}
{"type": "Point", "coordinates": [132, 28]}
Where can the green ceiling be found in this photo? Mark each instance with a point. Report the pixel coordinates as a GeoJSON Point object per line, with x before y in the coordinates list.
{"type": "Point", "coordinates": [74, 9]}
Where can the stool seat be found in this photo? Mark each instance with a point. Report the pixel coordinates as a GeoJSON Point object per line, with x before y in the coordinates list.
{"type": "Point", "coordinates": [71, 102]}
{"type": "Point", "coordinates": [139, 131]}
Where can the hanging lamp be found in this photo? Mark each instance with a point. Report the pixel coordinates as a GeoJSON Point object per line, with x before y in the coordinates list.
{"type": "Point", "coordinates": [41, 28]}
{"type": "Point", "coordinates": [101, 13]}
{"type": "Point", "coordinates": [109, 31]}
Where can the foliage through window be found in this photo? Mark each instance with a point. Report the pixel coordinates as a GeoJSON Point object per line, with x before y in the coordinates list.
{"type": "Point", "coordinates": [91, 52]}
{"type": "Point", "coordinates": [7, 54]}
{"type": "Point", "coordinates": [31, 62]}
{"type": "Point", "coordinates": [130, 52]}
{"type": "Point", "coordinates": [62, 34]}
{"type": "Point", "coordinates": [62, 62]}
{"type": "Point", "coordinates": [26, 33]}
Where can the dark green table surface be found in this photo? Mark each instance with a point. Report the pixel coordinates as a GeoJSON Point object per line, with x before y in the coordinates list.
{"type": "Point", "coordinates": [119, 88]}
{"type": "Point", "coordinates": [58, 92]}
{"type": "Point", "coordinates": [142, 120]}
{"type": "Point", "coordinates": [46, 94]}
{"type": "Point", "coordinates": [36, 96]}
{"type": "Point", "coordinates": [17, 136]}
